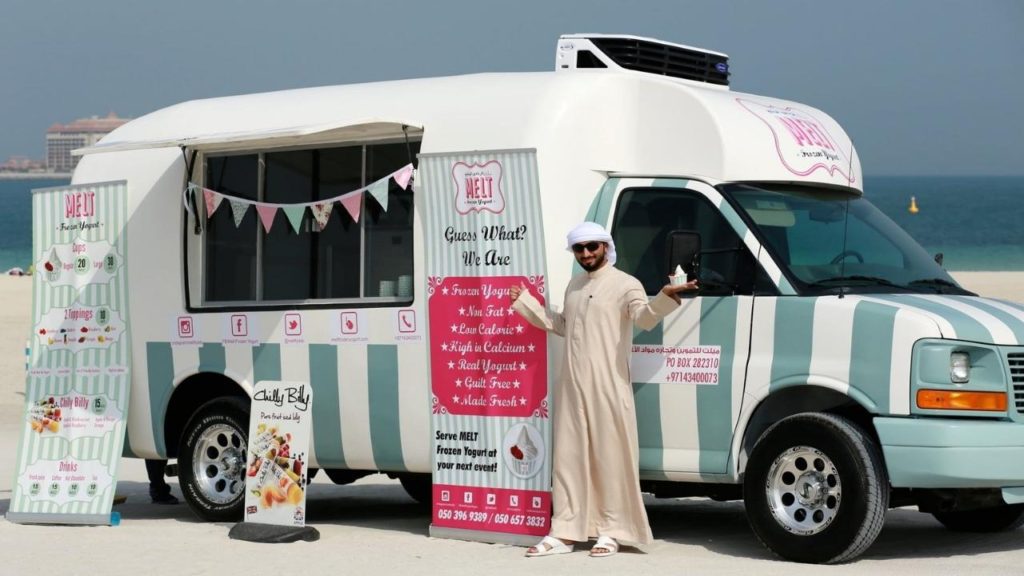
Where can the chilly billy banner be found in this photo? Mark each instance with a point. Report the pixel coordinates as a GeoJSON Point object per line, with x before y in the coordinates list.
{"type": "Point", "coordinates": [489, 376]}
{"type": "Point", "coordinates": [275, 477]}
{"type": "Point", "coordinates": [76, 394]}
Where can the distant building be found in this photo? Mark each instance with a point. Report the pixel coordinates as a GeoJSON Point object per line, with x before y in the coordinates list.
{"type": "Point", "coordinates": [22, 164]}
{"type": "Point", "coordinates": [61, 139]}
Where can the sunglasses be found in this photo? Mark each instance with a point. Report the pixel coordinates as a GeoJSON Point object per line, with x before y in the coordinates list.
{"type": "Point", "coordinates": [589, 247]}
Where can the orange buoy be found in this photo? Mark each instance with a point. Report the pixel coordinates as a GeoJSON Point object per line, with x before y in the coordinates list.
{"type": "Point", "coordinates": [913, 206]}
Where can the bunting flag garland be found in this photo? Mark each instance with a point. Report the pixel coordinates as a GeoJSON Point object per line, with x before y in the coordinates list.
{"type": "Point", "coordinates": [352, 204]}
{"type": "Point", "coordinates": [403, 176]}
{"type": "Point", "coordinates": [294, 214]}
{"type": "Point", "coordinates": [238, 210]}
{"type": "Point", "coordinates": [322, 213]}
{"type": "Point", "coordinates": [321, 209]}
{"type": "Point", "coordinates": [267, 214]}
{"type": "Point", "coordinates": [379, 191]}
{"type": "Point", "coordinates": [212, 201]}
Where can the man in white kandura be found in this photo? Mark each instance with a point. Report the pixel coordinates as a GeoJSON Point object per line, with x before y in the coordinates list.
{"type": "Point", "coordinates": [596, 487]}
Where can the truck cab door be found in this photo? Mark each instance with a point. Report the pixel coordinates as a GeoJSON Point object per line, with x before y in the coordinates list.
{"type": "Point", "coordinates": [687, 412]}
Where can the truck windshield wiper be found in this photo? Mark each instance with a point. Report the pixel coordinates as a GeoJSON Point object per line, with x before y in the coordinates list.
{"type": "Point", "coordinates": [939, 284]}
{"type": "Point", "coordinates": [857, 279]}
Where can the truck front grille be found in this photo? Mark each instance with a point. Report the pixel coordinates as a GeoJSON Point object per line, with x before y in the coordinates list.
{"type": "Point", "coordinates": [1015, 362]}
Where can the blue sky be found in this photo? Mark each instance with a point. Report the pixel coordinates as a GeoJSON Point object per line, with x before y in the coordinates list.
{"type": "Point", "coordinates": [922, 86]}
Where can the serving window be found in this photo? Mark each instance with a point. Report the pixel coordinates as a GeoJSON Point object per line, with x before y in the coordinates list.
{"type": "Point", "coordinates": [264, 244]}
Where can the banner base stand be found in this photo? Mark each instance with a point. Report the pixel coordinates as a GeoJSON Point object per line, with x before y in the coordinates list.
{"type": "Point", "coordinates": [272, 534]}
{"type": "Point", "coordinates": [483, 536]}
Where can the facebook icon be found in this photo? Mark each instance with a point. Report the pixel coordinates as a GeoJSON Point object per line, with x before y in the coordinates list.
{"type": "Point", "coordinates": [239, 325]}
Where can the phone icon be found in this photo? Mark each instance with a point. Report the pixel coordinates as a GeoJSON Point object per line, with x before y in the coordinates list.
{"type": "Point", "coordinates": [406, 320]}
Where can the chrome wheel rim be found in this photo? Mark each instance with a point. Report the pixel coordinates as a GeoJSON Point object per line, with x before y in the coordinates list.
{"type": "Point", "coordinates": [218, 462]}
{"type": "Point", "coordinates": [804, 490]}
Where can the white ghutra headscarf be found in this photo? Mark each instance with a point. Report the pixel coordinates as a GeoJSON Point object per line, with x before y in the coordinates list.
{"type": "Point", "coordinates": [592, 232]}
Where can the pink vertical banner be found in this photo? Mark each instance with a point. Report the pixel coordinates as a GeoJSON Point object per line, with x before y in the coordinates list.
{"type": "Point", "coordinates": [487, 362]}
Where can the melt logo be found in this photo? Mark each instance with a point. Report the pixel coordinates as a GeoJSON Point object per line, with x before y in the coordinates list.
{"type": "Point", "coordinates": [478, 187]}
{"type": "Point", "coordinates": [801, 140]}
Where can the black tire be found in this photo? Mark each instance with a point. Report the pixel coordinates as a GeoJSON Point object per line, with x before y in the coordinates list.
{"type": "Point", "coordinates": [816, 489]}
{"type": "Point", "coordinates": [211, 461]}
{"type": "Point", "coordinates": [420, 487]}
{"type": "Point", "coordinates": [998, 519]}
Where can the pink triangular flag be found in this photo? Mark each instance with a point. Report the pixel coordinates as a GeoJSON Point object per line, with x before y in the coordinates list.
{"type": "Point", "coordinates": [322, 213]}
{"type": "Point", "coordinates": [352, 203]}
{"type": "Point", "coordinates": [403, 176]}
{"type": "Point", "coordinates": [267, 214]}
{"type": "Point", "coordinates": [212, 201]}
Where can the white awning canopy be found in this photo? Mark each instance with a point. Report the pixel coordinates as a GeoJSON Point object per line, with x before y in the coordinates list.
{"type": "Point", "coordinates": [369, 130]}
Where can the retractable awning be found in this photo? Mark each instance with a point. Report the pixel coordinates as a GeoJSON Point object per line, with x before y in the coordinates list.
{"type": "Point", "coordinates": [370, 129]}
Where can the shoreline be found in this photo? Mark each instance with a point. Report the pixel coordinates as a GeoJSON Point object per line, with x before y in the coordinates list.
{"type": "Point", "coordinates": [35, 176]}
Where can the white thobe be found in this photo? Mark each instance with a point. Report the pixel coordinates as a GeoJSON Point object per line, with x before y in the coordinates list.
{"type": "Point", "coordinates": [596, 484]}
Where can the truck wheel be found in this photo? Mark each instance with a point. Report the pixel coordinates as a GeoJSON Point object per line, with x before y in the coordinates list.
{"type": "Point", "coordinates": [211, 463]}
{"type": "Point", "coordinates": [1009, 517]}
{"type": "Point", "coordinates": [420, 487]}
{"type": "Point", "coordinates": [816, 489]}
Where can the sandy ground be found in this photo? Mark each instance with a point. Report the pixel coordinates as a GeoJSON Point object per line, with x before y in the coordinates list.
{"type": "Point", "coordinates": [372, 527]}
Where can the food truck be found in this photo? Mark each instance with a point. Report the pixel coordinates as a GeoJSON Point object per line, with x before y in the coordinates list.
{"type": "Point", "coordinates": [827, 370]}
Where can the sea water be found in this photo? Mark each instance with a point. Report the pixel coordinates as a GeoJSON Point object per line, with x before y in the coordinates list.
{"type": "Point", "coordinates": [977, 222]}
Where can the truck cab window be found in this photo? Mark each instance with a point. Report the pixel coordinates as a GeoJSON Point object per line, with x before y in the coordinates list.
{"type": "Point", "coordinates": [644, 217]}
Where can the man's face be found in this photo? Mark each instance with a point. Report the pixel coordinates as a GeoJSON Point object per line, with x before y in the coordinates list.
{"type": "Point", "coordinates": [590, 255]}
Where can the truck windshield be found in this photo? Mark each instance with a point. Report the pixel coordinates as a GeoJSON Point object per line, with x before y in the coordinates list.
{"type": "Point", "coordinates": [832, 240]}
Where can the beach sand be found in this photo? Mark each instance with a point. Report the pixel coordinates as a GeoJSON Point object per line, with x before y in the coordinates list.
{"type": "Point", "coordinates": [372, 527]}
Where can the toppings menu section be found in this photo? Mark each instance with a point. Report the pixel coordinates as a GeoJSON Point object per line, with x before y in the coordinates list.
{"type": "Point", "coordinates": [489, 373]}
{"type": "Point", "coordinates": [78, 378]}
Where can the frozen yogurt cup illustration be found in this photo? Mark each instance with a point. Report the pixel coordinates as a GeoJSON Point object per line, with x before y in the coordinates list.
{"type": "Point", "coordinates": [53, 266]}
{"type": "Point", "coordinates": [523, 455]}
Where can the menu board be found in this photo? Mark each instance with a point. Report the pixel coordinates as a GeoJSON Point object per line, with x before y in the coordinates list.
{"type": "Point", "coordinates": [78, 378]}
{"type": "Point", "coordinates": [488, 367]}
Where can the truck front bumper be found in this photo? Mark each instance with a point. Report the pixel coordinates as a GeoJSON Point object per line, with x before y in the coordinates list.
{"type": "Point", "coordinates": [949, 453]}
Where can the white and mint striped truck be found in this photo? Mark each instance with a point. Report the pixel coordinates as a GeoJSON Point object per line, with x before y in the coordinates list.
{"type": "Point", "coordinates": [827, 370]}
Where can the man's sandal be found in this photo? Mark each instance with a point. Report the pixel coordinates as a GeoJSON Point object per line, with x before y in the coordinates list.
{"type": "Point", "coordinates": [605, 546]}
{"type": "Point", "coordinates": [549, 546]}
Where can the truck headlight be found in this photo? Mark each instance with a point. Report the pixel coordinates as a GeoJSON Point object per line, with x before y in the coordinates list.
{"type": "Point", "coordinates": [959, 367]}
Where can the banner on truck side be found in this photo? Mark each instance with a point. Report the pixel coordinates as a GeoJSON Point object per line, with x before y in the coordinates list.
{"type": "Point", "coordinates": [275, 472]}
{"type": "Point", "coordinates": [489, 376]}
{"type": "Point", "coordinates": [78, 379]}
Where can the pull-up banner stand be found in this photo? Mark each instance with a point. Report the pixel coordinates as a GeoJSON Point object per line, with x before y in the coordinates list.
{"type": "Point", "coordinates": [76, 391]}
{"type": "Point", "coordinates": [488, 367]}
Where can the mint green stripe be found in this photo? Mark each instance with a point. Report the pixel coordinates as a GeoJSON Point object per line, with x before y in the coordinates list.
{"type": "Point", "coordinates": [967, 328]}
{"type": "Point", "coordinates": [323, 378]}
{"type": "Point", "coordinates": [647, 398]}
{"type": "Point", "coordinates": [794, 330]}
{"type": "Point", "coordinates": [160, 373]}
{"type": "Point", "coordinates": [871, 353]}
{"type": "Point", "coordinates": [1012, 322]}
{"type": "Point", "coordinates": [385, 436]}
{"type": "Point", "coordinates": [714, 403]}
{"type": "Point", "coordinates": [211, 358]}
{"type": "Point", "coordinates": [602, 205]}
{"type": "Point", "coordinates": [266, 362]}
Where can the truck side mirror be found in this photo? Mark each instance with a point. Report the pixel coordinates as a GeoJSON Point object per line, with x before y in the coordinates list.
{"type": "Point", "coordinates": [684, 250]}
